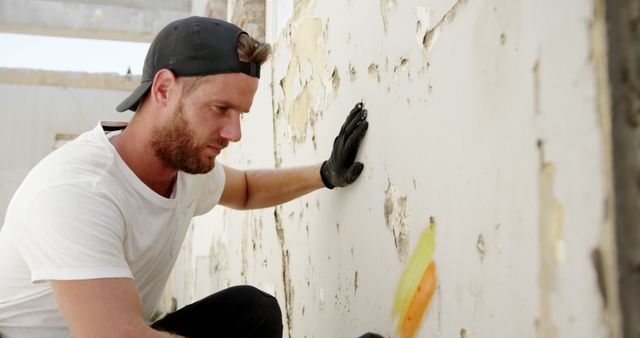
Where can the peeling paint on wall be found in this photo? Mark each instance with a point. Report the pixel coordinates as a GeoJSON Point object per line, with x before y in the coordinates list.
{"type": "Point", "coordinates": [598, 265]}
{"type": "Point", "coordinates": [431, 34]}
{"type": "Point", "coordinates": [395, 214]}
{"type": "Point", "coordinates": [606, 268]}
{"type": "Point", "coordinates": [286, 273]}
{"type": "Point", "coordinates": [251, 241]}
{"type": "Point", "coordinates": [536, 87]}
{"type": "Point", "coordinates": [243, 249]}
{"type": "Point", "coordinates": [304, 85]}
{"type": "Point", "coordinates": [386, 7]}
{"type": "Point", "coordinates": [335, 79]}
{"type": "Point", "coordinates": [423, 18]}
{"type": "Point", "coordinates": [352, 72]}
{"type": "Point", "coordinates": [374, 70]}
{"type": "Point", "coordinates": [487, 189]}
{"type": "Point", "coordinates": [401, 67]}
{"type": "Point", "coordinates": [550, 222]}
{"type": "Point", "coordinates": [481, 247]}
{"type": "Point", "coordinates": [219, 256]}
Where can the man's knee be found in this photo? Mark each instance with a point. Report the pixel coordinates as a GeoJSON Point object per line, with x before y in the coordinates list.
{"type": "Point", "coordinates": [265, 304]}
{"type": "Point", "coordinates": [262, 300]}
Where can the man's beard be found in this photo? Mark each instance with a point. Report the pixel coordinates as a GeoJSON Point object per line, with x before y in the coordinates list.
{"type": "Point", "coordinates": [175, 145]}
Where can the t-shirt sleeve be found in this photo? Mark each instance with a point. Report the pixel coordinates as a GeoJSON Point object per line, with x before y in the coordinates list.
{"type": "Point", "coordinates": [72, 232]}
{"type": "Point", "coordinates": [212, 187]}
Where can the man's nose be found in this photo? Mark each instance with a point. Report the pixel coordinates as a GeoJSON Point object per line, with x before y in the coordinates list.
{"type": "Point", "coordinates": [231, 130]}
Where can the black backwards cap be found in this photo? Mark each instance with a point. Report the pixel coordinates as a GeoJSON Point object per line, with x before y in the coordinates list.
{"type": "Point", "coordinates": [194, 46]}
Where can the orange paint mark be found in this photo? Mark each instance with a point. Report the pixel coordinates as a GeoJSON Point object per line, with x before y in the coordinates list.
{"type": "Point", "coordinates": [418, 263]}
{"type": "Point", "coordinates": [413, 317]}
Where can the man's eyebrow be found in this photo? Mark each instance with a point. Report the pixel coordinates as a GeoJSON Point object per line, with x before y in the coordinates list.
{"type": "Point", "coordinates": [226, 104]}
{"type": "Point", "coordinates": [219, 102]}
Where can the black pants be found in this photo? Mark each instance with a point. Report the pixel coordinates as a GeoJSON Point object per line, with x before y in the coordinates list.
{"type": "Point", "coordinates": [239, 311]}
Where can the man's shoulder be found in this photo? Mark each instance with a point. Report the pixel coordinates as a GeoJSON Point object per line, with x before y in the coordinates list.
{"type": "Point", "coordinates": [82, 165]}
{"type": "Point", "coordinates": [85, 157]}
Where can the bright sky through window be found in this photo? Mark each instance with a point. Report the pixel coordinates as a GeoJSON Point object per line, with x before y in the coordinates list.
{"type": "Point", "coordinates": [71, 54]}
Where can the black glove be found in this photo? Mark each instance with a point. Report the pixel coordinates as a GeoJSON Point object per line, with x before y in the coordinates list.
{"type": "Point", "coordinates": [341, 169]}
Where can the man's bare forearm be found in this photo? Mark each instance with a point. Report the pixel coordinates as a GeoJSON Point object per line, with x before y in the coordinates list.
{"type": "Point", "coordinates": [266, 188]}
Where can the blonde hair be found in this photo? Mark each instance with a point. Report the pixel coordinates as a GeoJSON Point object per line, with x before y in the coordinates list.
{"type": "Point", "coordinates": [252, 50]}
{"type": "Point", "coordinates": [249, 50]}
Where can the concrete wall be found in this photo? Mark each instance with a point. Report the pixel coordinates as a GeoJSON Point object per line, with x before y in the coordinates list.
{"type": "Point", "coordinates": [489, 124]}
{"type": "Point", "coordinates": [134, 20]}
{"type": "Point", "coordinates": [488, 153]}
{"type": "Point", "coordinates": [40, 109]}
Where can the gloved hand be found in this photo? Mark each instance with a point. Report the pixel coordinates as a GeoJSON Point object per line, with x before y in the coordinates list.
{"type": "Point", "coordinates": [341, 169]}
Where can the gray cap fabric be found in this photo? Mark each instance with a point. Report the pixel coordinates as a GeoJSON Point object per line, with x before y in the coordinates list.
{"type": "Point", "coordinates": [194, 46]}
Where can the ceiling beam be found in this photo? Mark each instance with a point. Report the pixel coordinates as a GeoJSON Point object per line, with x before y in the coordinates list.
{"type": "Point", "coordinates": [126, 20]}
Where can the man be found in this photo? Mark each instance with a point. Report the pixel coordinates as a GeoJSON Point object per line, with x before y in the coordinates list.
{"type": "Point", "coordinates": [92, 233]}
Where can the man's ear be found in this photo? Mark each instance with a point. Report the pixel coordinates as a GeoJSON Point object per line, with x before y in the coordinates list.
{"type": "Point", "coordinates": [162, 85]}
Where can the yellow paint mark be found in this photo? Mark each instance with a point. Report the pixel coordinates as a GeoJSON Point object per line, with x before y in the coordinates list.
{"type": "Point", "coordinates": [419, 304]}
{"type": "Point", "coordinates": [414, 271]}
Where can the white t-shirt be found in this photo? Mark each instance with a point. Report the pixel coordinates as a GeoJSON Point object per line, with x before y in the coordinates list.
{"type": "Point", "coordinates": [81, 213]}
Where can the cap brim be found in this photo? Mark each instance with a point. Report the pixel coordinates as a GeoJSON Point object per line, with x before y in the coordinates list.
{"type": "Point", "coordinates": [131, 102]}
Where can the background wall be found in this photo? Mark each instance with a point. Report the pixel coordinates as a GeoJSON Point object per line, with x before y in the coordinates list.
{"type": "Point", "coordinates": [489, 127]}
{"type": "Point", "coordinates": [40, 110]}
{"type": "Point", "coordinates": [490, 117]}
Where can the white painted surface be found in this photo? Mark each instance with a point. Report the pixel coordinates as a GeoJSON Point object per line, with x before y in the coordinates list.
{"type": "Point", "coordinates": [454, 127]}
{"type": "Point", "coordinates": [278, 13]}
